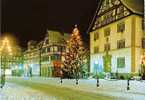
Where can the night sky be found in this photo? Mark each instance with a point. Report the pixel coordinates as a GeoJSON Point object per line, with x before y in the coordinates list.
{"type": "Point", "coordinates": [29, 19]}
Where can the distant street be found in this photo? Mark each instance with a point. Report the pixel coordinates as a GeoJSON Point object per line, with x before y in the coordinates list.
{"type": "Point", "coordinates": [52, 89]}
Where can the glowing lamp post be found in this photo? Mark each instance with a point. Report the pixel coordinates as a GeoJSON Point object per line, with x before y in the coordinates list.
{"type": "Point", "coordinates": [97, 63]}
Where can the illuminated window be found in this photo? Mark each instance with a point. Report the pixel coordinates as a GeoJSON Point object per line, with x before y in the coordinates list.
{"type": "Point", "coordinates": [121, 44]}
{"type": "Point", "coordinates": [121, 62]}
{"type": "Point", "coordinates": [107, 47]}
{"type": "Point", "coordinates": [45, 50]}
{"type": "Point", "coordinates": [121, 27]}
{"type": "Point", "coordinates": [51, 48]}
{"type": "Point", "coordinates": [107, 31]}
{"type": "Point", "coordinates": [55, 48]}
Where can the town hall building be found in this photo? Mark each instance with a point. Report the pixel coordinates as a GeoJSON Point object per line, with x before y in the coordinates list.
{"type": "Point", "coordinates": [117, 37]}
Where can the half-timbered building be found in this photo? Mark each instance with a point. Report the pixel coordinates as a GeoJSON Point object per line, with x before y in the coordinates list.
{"type": "Point", "coordinates": [116, 37]}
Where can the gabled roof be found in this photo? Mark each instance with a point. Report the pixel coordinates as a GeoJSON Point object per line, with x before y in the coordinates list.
{"type": "Point", "coordinates": [136, 6]}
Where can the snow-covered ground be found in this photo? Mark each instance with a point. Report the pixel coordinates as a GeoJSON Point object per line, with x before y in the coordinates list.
{"type": "Point", "coordinates": [114, 88]}
{"type": "Point", "coordinates": [15, 92]}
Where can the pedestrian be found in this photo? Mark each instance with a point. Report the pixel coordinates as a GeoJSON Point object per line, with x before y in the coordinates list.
{"type": "Point", "coordinates": [61, 75]}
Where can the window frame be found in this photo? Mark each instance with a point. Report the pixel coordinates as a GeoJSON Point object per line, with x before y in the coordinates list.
{"type": "Point", "coordinates": [107, 47]}
{"type": "Point", "coordinates": [96, 36]}
{"type": "Point", "coordinates": [96, 49]}
{"type": "Point", "coordinates": [121, 62]}
{"type": "Point", "coordinates": [121, 27]}
{"type": "Point", "coordinates": [107, 31]}
{"type": "Point", "coordinates": [121, 44]}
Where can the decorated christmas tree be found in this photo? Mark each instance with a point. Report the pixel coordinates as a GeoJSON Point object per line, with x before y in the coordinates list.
{"type": "Point", "coordinates": [76, 56]}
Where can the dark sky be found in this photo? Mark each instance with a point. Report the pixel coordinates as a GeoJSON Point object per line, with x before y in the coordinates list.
{"type": "Point", "coordinates": [29, 19]}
